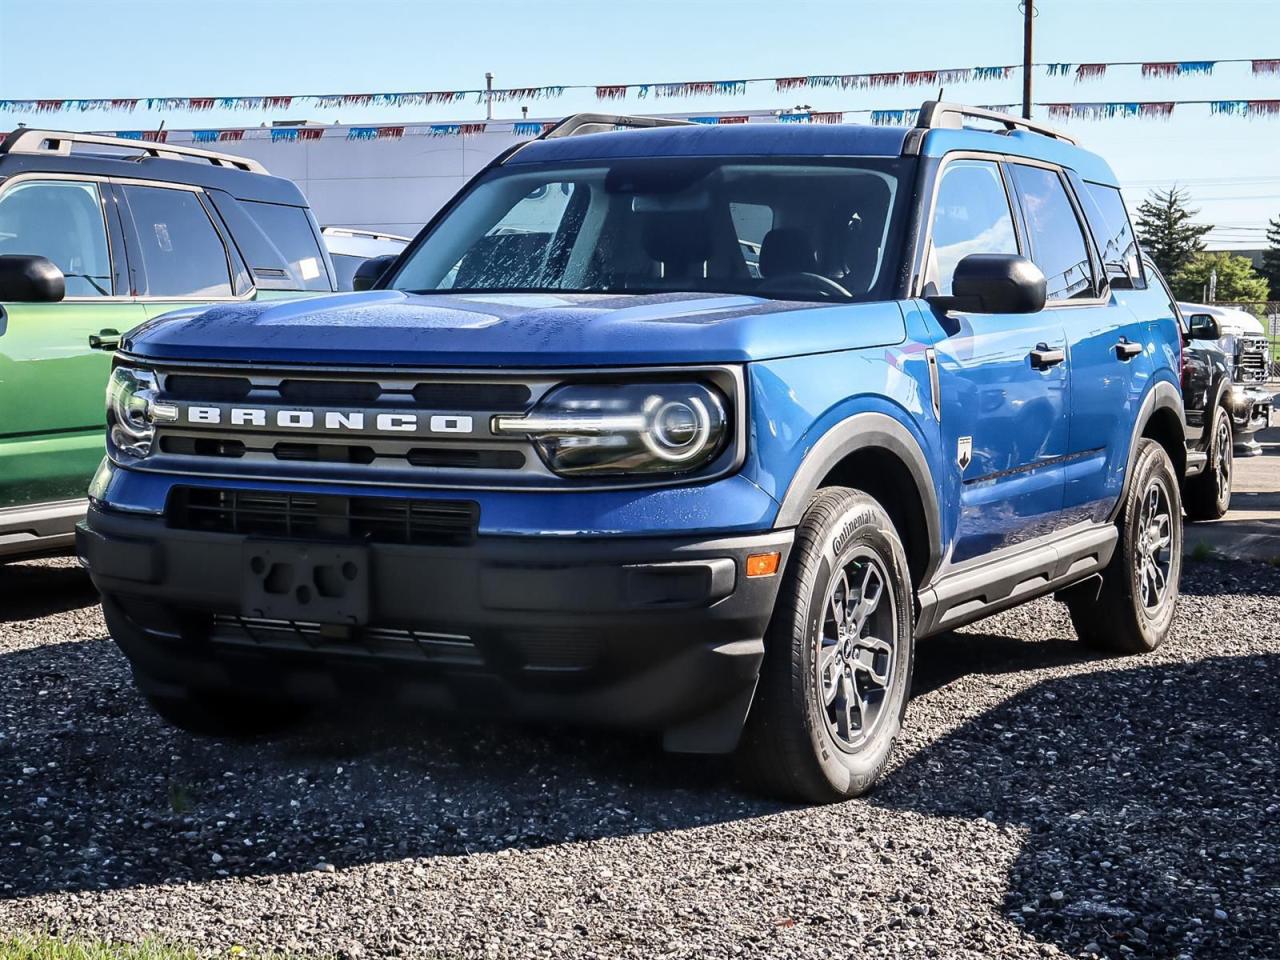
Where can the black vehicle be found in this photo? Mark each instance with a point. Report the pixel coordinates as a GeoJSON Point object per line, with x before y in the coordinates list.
{"type": "Point", "coordinates": [1206, 394]}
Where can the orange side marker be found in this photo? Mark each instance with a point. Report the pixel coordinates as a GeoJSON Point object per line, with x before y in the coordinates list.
{"type": "Point", "coordinates": [763, 564]}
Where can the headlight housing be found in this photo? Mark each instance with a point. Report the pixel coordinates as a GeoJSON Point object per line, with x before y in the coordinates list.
{"type": "Point", "coordinates": [132, 410]}
{"type": "Point", "coordinates": [625, 429]}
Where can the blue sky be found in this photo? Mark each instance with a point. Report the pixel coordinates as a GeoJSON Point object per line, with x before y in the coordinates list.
{"type": "Point", "coordinates": [140, 48]}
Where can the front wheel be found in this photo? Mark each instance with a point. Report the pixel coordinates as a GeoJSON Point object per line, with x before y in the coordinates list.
{"type": "Point", "coordinates": [838, 656]}
{"type": "Point", "coordinates": [1133, 612]}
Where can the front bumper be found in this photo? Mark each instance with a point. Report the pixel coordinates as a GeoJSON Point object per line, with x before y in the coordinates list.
{"type": "Point", "coordinates": [659, 633]}
{"type": "Point", "coordinates": [1250, 409]}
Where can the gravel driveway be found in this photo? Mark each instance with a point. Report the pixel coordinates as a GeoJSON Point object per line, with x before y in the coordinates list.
{"type": "Point", "coordinates": [1045, 802]}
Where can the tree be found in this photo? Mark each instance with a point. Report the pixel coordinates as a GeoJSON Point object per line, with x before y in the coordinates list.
{"type": "Point", "coordinates": [1271, 259]}
{"type": "Point", "coordinates": [1167, 230]}
{"type": "Point", "coordinates": [1237, 281]}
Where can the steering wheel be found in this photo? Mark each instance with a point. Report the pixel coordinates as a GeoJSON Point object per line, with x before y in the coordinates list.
{"type": "Point", "coordinates": [821, 285]}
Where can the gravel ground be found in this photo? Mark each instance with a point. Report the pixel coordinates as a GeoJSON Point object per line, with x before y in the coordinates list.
{"type": "Point", "coordinates": [1044, 802]}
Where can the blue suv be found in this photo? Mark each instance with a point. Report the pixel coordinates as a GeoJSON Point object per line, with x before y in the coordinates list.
{"type": "Point", "coordinates": [680, 428]}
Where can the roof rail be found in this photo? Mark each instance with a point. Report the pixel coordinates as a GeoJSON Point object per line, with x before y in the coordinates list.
{"type": "Point", "coordinates": [580, 123]}
{"type": "Point", "coordinates": [58, 143]}
{"type": "Point", "coordinates": [938, 114]}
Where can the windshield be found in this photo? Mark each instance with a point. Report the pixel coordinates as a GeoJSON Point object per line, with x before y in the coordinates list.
{"type": "Point", "coordinates": [810, 229]}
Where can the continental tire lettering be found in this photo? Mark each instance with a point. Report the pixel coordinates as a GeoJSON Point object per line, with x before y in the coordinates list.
{"type": "Point", "coordinates": [850, 527]}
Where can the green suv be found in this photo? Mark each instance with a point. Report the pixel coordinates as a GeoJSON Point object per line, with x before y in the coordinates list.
{"type": "Point", "coordinates": [97, 236]}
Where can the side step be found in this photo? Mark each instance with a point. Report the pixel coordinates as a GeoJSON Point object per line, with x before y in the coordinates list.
{"type": "Point", "coordinates": [1013, 578]}
{"type": "Point", "coordinates": [39, 528]}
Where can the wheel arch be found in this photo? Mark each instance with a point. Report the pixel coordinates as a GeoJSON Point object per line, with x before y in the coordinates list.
{"type": "Point", "coordinates": [1160, 418]}
{"type": "Point", "coordinates": [876, 454]}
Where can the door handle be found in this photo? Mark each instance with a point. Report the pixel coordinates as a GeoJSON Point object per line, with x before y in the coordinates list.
{"type": "Point", "coordinates": [105, 340]}
{"type": "Point", "coordinates": [1042, 358]}
{"type": "Point", "coordinates": [1127, 350]}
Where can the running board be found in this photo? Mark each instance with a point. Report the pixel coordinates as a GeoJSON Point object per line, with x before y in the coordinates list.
{"type": "Point", "coordinates": [39, 528]}
{"type": "Point", "coordinates": [1008, 580]}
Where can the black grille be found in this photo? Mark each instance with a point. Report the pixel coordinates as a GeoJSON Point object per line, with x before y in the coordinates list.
{"type": "Point", "coordinates": [203, 447]}
{"type": "Point", "coordinates": [324, 453]}
{"type": "Point", "coordinates": [187, 386]}
{"type": "Point", "coordinates": [330, 391]}
{"type": "Point", "coordinates": [311, 517]}
{"type": "Point", "coordinates": [378, 643]}
{"type": "Point", "coordinates": [472, 396]}
{"type": "Point", "coordinates": [462, 458]}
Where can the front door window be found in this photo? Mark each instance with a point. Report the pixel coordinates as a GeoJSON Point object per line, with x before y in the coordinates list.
{"type": "Point", "coordinates": [62, 221]}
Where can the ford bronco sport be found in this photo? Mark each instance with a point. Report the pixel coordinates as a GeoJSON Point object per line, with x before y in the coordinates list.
{"type": "Point", "coordinates": [98, 234]}
{"type": "Point", "coordinates": [572, 458]}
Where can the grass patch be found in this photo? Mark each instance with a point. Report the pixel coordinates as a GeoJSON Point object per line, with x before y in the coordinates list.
{"type": "Point", "coordinates": [43, 947]}
{"type": "Point", "coordinates": [26, 947]}
{"type": "Point", "coordinates": [1202, 551]}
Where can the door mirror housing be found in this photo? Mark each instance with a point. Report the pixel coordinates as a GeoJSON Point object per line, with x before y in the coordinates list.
{"type": "Point", "coordinates": [995, 283]}
{"type": "Point", "coordinates": [30, 279]}
{"type": "Point", "coordinates": [369, 272]}
{"type": "Point", "coordinates": [1204, 326]}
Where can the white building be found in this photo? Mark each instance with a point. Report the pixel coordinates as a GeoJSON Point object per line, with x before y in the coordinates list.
{"type": "Point", "coordinates": [391, 182]}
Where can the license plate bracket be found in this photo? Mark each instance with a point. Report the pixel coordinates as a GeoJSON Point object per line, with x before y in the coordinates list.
{"type": "Point", "coordinates": [307, 582]}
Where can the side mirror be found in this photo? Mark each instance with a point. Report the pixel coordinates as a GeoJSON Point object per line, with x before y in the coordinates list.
{"type": "Point", "coordinates": [28, 279]}
{"type": "Point", "coordinates": [995, 283]}
{"type": "Point", "coordinates": [368, 273]}
{"type": "Point", "coordinates": [1204, 326]}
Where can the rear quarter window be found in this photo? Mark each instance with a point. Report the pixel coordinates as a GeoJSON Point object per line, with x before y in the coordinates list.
{"type": "Point", "coordinates": [1113, 233]}
{"type": "Point", "coordinates": [289, 230]}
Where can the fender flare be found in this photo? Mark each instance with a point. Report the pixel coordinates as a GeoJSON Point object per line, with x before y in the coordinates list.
{"type": "Point", "coordinates": [1219, 402]}
{"type": "Point", "coordinates": [858, 432]}
{"type": "Point", "coordinates": [1162, 395]}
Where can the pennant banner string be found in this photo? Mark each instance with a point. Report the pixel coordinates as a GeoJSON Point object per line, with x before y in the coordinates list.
{"type": "Point", "coordinates": [696, 88]}
{"type": "Point", "coordinates": [907, 116]}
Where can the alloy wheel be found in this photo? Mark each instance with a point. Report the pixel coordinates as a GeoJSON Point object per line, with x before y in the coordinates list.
{"type": "Point", "coordinates": [1155, 540]}
{"type": "Point", "coordinates": [857, 650]}
{"type": "Point", "coordinates": [1223, 464]}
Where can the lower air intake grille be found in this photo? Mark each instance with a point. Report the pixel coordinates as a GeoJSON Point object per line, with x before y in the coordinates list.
{"type": "Point", "coordinates": [311, 517]}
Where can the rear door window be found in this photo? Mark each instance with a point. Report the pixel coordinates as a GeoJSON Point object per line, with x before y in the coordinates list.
{"type": "Point", "coordinates": [1058, 245]}
{"type": "Point", "coordinates": [182, 254]}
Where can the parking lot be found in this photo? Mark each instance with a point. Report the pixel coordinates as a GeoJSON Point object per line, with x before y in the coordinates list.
{"type": "Point", "coordinates": [1045, 801]}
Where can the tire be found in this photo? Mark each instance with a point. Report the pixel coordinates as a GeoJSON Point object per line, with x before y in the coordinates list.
{"type": "Point", "coordinates": [1208, 496]}
{"type": "Point", "coordinates": [801, 741]}
{"type": "Point", "coordinates": [219, 715]}
{"type": "Point", "coordinates": [1134, 609]}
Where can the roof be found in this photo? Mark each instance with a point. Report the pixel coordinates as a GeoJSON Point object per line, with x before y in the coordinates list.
{"type": "Point", "coordinates": [807, 140]}
{"type": "Point", "coordinates": [241, 184]}
{"type": "Point", "coordinates": [724, 140]}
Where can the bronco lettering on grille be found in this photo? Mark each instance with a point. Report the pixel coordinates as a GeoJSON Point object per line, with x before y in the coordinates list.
{"type": "Point", "coordinates": [328, 420]}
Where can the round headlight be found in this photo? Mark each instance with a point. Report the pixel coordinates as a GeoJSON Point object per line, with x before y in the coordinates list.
{"type": "Point", "coordinates": [678, 429]}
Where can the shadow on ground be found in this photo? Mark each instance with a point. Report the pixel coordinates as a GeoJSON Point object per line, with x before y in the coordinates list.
{"type": "Point", "coordinates": [1148, 792]}
{"type": "Point", "coordinates": [29, 591]}
{"type": "Point", "coordinates": [1150, 797]}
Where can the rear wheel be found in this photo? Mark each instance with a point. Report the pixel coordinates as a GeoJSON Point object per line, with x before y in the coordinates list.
{"type": "Point", "coordinates": [1208, 496]}
{"type": "Point", "coordinates": [838, 656]}
{"type": "Point", "coordinates": [1134, 609]}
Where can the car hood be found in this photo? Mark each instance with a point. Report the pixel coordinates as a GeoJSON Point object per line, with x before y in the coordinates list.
{"type": "Point", "coordinates": [391, 328]}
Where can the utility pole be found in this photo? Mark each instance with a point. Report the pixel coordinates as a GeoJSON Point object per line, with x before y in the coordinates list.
{"type": "Point", "coordinates": [1029, 13]}
{"type": "Point", "coordinates": [488, 95]}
